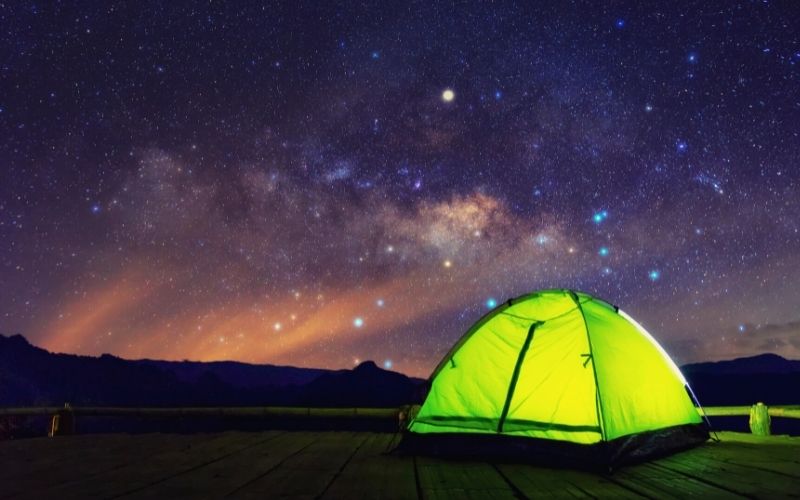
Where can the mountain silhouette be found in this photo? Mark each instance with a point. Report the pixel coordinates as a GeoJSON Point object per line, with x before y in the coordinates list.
{"type": "Point", "coordinates": [31, 376]}
{"type": "Point", "coordinates": [768, 378]}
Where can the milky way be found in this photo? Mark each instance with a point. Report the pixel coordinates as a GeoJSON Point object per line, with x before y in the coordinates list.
{"type": "Point", "coordinates": [320, 185]}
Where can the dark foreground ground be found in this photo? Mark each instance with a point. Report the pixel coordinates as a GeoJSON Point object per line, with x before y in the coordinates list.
{"type": "Point", "coordinates": [357, 465]}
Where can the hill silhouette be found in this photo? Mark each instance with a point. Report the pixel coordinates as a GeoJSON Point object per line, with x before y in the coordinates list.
{"type": "Point", "coordinates": [31, 376]}
{"type": "Point", "coordinates": [768, 378]}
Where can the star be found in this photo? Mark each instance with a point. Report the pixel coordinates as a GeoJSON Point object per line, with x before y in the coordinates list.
{"type": "Point", "coordinates": [358, 322]}
{"type": "Point", "coordinates": [491, 303]}
{"type": "Point", "coordinates": [603, 252]}
{"type": "Point", "coordinates": [600, 216]}
{"type": "Point", "coordinates": [387, 363]}
{"type": "Point", "coordinates": [448, 95]}
{"type": "Point", "coordinates": [654, 275]}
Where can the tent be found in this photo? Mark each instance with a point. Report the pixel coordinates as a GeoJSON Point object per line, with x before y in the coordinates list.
{"type": "Point", "coordinates": [562, 375]}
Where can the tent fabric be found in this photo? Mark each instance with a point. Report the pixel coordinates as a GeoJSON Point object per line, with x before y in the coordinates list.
{"type": "Point", "coordinates": [556, 365]}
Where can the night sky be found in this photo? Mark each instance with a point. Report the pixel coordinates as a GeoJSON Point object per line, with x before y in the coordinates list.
{"type": "Point", "coordinates": [323, 184]}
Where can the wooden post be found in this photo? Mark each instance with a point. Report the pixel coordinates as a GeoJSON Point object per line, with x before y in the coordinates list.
{"type": "Point", "coordinates": [62, 423]}
{"type": "Point", "coordinates": [759, 419]}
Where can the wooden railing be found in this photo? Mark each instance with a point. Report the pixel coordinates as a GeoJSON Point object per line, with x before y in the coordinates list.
{"type": "Point", "coordinates": [744, 411]}
{"type": "Point", "coordinates": [760, 415]}
{"type": "Point", "coordinates": [62, 419]}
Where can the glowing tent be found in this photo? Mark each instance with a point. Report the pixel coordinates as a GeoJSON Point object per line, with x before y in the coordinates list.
{"type": "Point", "coordinates": [561, 372]}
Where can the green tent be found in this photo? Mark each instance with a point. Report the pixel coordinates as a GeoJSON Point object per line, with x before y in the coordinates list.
{"type": "Point", "coordinates": [563, 372]}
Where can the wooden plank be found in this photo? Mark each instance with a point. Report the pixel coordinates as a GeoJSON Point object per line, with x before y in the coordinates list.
{"type": "Point", "coordinates": [651, 481]}
{"type": "Point", "coordinates": [74, 458]}
{"type": "Point", "coordinates": [340, 464]}
{"type": "Point", "coordinates": [308, 473]}
{"type": "Point", "coordinates": [747, 481]}
{"type": "Point", "coordinates": [781, 460]}
{"type": "Point", "coordinates": [218, 479]}
{"type": "Point", "coordinates": [158, 467]}
{"type": "Point", "coordinates": [374, 472]}
{"type": "Point", "coordinates": [562, 483]}
{"type": "Point", "coordinates": [455, 479]}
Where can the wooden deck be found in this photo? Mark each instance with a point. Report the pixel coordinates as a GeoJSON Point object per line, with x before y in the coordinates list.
{"type": "Point", "coordinates": [356, 465]}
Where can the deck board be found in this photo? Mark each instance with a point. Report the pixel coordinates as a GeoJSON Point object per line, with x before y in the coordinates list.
{"type": "Point", "coordinates": [308, 473]}
{"type": "Point", "coordinates": [562, 483]}
{"type": "Point", "coordinates": [655, 482]}
{"type": "Point", "coordinates": [748, 481]}
{"type": "Point", "coordinates": [361, 465]}
{"type": "Point", "coordinates": [373, 472]}
{"type": "Point", "coordinates": [440, 478]}
{"type": "Point", "coordinates": [232, 472]}
{"type": "Point", "coordinates": [74, 459]}
{"type": "Point", "coordinates": [158, 467]}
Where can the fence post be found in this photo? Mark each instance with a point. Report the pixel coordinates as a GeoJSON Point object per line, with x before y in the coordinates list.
{"type": "Point", "coordinates": [759, 419]}
{"type": "Point", "coordinates": [63, 422]}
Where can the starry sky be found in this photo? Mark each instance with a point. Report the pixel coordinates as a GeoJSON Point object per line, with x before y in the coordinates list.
{"type": "Point", "coordinates": [318, 184]}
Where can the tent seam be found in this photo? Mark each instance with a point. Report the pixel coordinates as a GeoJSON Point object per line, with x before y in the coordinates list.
{"type": "Point", "coordinates": [598, 399]}
{"type": "Point", "coordinates": [512, 385]}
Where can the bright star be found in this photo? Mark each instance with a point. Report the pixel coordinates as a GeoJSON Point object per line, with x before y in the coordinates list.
{"type": "Point", "coordinates": [600, 216]}
{"type": "Point", "coordinates": [387, 364]}
{"type": "Point", "coordinates": [448, 95]}
{"type": "Point", "coordinates": [379, 303]}
{"type": "Point", "coordinates": [742, 328]}
{"type": "Point", "coordinates": [491, 303]}
{"type": "Point", "coordinates": [358, 322]}
{"type": "Point", "coordinates": [603, 252]}
{"type": "Point", "coordinates": [96, 208]}
{"type": "Point", "coordinates": [654, 275]}
{"type": "Point", "coordinates": [447, 263]}
{"type": "Point", "coordinates": [620, 23]}
{"type": "Point", "coordinates": [277, 327]}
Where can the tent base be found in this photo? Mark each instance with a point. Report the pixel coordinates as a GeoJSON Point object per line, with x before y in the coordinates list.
{"type": "Point", "coordinates": [603, 456]}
